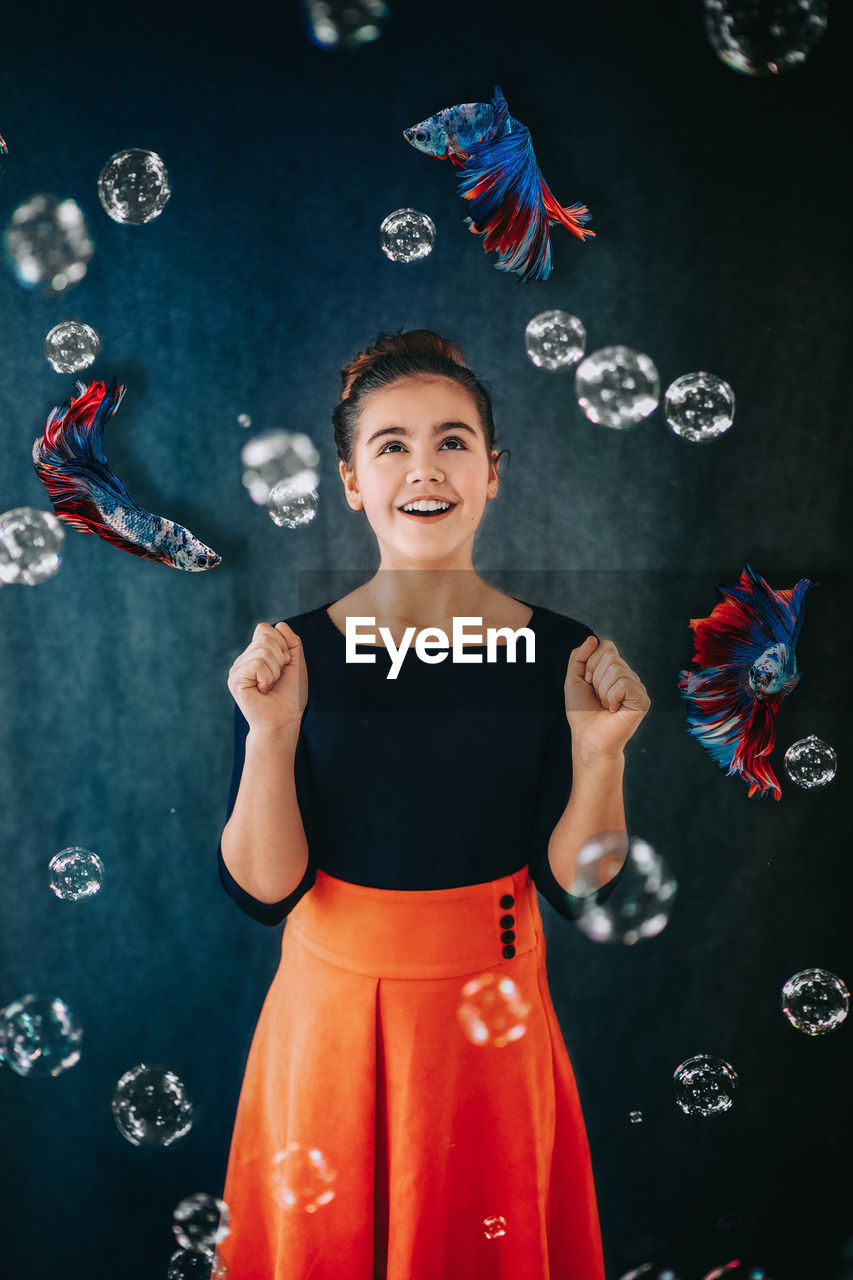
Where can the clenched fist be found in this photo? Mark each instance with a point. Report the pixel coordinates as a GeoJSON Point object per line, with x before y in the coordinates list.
{"type": "Point", "coordinates": [269, 680]}
{"type": "Point", "coordinates": [605, 699]}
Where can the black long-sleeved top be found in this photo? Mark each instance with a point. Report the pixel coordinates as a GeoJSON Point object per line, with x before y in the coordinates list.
{"type": "Point", "coordinates": [451, 774]}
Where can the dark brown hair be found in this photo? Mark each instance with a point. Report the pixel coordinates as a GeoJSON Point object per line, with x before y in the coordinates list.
{"type": "Point", "coordinates": [401, 355]}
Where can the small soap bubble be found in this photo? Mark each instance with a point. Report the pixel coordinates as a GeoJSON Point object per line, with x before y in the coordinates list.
{"type": "Point", "coordinates": [196, 1263]}
{"type": "Point", "coordinates": [642, 902]}
{"type": "Point", "coordinates": [133, 186]}
{"type": "Point", "coordinates": [39, 1036]}
{"type": "Point", "coordinates": [699, 406]}
{"type": "Point", "coordinates": [301, 1178]}
{"type": "Point", "coordinates": [704, 1085]}
{"type": "Point", "coordinates": [811, 763]}
{"type": "Point", "coordinates": [494, 1226]}
{"type": "Point", "coordinates": [151, 1107]}
{"type": "Point", "coordinates": [815, 1001]}
{"type": "Point", "coordinates": [48, 243]}
{"type": "Point", "coordinates": [764, 37]}
{"type": "Point", "coordinates": [30, 546]}
{"type": "Point", "coordinates": [407, 235]}
{"type": "Point", "coordinates": [648, 1270]}
{"type": "Point", "coordinates": [201, 1220]}
{"type": "Point", "coordinates": [636, 1117]}
{"type": "Point", "coordinates": [275, 456]}
{"type": "Point", "coordinates": [243, 420]}
{"type": "Point", "coordinates": [617, 386]}
{"type": "Point", "coordinates": [75, 873]}
{"type": "Point", "coordinates": [555, 340]}
{"type": "Point", "coordinates": [492, 1010]}
{"type": "Point", "coordinates": [71, 346]}
{"type": "Point", "coordinates": [289, 505]}
{"type": "Point", "coordinates": [345, 24]}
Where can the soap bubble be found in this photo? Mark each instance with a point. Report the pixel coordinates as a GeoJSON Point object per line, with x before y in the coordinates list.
{"type": "Point", "coordinates": [704, 1085]}
{"type": "Point", "coordinates": [133, 186]}
{"type": "Point", "coordinates": [151, 1107]}
{"type": "Point", "coordinates": [75, 873]}
{"type": "Point", "coordinates": [617, 386]}
{"type": "Point", "coordinates": [288, 504]}
{"type": "Point", "coordinates": [555, 339]}
{"type": "Point", "coordinates": [71, 346]}
{"type": "Point", "coordinates": [492, 1010]}
{"type": "Point", "coordinates": [243, 420]}
{"type": "Point", "coordinates": [598, 860]}
{"type": "Point", "coordinates": [737, 1269]}
{"type": "Point", "coordinates": [811, 762]}
{"type": "Point", "coordinates": [345, 23]}
{"type": "Point", "coordinates": [764, 37]}
{"type": "Point", "coordinates": [407, 235]}
{"type": "Point", "coordinates": [495, 1226]}
{"type": "Point", "coordinates": [640, 905]}
{"type": "Point", "coordinates": [47, 241]}
{"type": "Point", "coordinates": [636, 1117]}
{"type": "Point", "coordinates": [201, 1220]}
{"type": "Point", "coordinates": [275, 456]}
{"type": "Point", "coordinates": [646, 1271]}
{"type": "Point", "coordinates": [815, 1001]}
{"type": "Point", "coordinates": [301, 1178]}
{"type": "Point", "coordinates": [40, 1036]}
{"type": "Point", "coordinates": [197, 1263]}
{"type": "Point", "coordinates": [30, 545]}
{"type": "Point", "coordinates": [699, 406]}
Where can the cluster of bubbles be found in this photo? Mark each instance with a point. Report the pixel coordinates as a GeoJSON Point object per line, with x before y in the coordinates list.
{"type": "Point", "coordinates": [407, 235]}
{"type": "Point", "coordinates": [346, 24]}
{"type": "Point", "coordinates": [75, 873]}
{"type": "Point", "coordinates": [279, 470]}
{"type": "Point", "coordinates": [492, 1010]}
{"type": "Point", "coordinates": [301, 1178]}
{"type": "Point", "coordinates": [200, 1222]}
{"type": "Point", "coordinates": [810, 762]}
{"type": "Point", "coordinates": [764, 37]}
{"type": "Point", "coordinates": [71, 346]}
{"type": "Point", "coordinates": [30, 546]}
{"type": "Point", "coordinates": [150, 1106]}
{"type": "Point", "coordinates": [618, 387]}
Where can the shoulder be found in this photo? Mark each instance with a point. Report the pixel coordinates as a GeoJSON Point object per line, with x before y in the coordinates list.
{"type": "Point", "coordinates": [560, 628]}
{"type": "Point", "coordinates": [307, 624]}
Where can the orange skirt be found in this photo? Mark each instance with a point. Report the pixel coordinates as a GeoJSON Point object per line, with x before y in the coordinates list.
{"type": "Point", "coordinates": [405, 1112]}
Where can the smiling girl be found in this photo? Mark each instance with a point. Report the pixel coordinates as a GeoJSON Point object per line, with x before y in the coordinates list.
{"type": "Point", "coordinates": [409, 1108]}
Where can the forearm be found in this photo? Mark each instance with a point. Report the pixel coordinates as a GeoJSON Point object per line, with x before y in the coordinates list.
{"type": "Point", "coordinates": [595, 806]}
{"type": "Point", "coordinates": [263, 843]}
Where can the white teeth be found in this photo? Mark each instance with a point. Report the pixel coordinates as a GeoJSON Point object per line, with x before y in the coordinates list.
{"type": "Point", "coordinates": [427, 506]}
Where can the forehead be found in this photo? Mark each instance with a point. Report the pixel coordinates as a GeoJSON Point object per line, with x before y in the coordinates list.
{"type": "Point", "coordinates": [417, 402]}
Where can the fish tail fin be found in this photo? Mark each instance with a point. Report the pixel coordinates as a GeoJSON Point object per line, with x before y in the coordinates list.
{"type": "Point", "coordinates": [757, 743]}
{"type": "Point", "coordinates": [573, 216]}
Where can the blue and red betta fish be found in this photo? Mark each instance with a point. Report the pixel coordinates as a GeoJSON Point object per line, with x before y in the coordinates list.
{"type": "Point", "coordinates": [69, 460]}
{"type": "Point", "coordinates": [511, 205]}
{"type": "Point", "coordinates": [745, 650]}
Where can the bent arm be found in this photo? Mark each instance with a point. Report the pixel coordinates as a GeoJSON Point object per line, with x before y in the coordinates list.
{"type": "Point", "coordinates": [595, 805]}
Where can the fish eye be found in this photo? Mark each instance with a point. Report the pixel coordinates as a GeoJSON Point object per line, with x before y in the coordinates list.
{"type": "Point", "coordinates": [421, 135]}
{"type": "Point", "coordinates": [201, 560]}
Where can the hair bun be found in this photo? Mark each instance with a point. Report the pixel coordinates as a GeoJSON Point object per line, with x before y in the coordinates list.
{"type": "Point", "coordinates": [416, 341]}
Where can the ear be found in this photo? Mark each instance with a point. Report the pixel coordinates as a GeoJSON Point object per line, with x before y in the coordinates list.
{"type": "Point", "coordinates": [494, 478]}
{"type": "Point", "coordinates": [350, 486]}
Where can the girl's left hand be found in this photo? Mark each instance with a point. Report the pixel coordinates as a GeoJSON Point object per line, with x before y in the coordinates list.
{"type": "Point", "coordinates": [605, 699]}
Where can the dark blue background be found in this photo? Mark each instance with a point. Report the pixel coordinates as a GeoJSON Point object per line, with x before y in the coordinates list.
{"type": "Point", "coordinates": [722, 230]}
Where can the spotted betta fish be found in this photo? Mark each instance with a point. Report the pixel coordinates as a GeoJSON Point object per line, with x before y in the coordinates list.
{"type": "Point", "coordinates": [745, 650]}
{"type": "Point", "coordinates": [69, 460]}
{"type": "Point", "coordinates": [511, 205]}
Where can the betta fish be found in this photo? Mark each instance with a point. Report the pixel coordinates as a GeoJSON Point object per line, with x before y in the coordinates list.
{"type": "Point", "coordinates": [745, 650]}
{"type": "Point", "coordinates": [70, 462]}
{"type": "Point", "coordinates": [511, 205]}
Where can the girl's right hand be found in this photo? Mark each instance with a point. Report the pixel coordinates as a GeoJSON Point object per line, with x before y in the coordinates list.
{"type": "Point", "coordinates": [269, 680]}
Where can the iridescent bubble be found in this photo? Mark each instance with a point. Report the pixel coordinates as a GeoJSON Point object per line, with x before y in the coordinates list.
{"type": "Point", "coordinates": [288, 504]}
{"type": "Point", "coordinates": [201, 1220]}
{"type": "Point", "coordinates": [764, 37]}
{"type": "Point", "coordinates": [243, 420]}
{"type": "Point", "coordinates": [492, 1010]}
{"type": "Point", "coordinates": [47, 241]}
{"type": "Point", "coordinates": [75, 873]}
{"type": "Point", "coordinates": [133, 186]}
{"type": "Point", "coordinates": [30, 546]}
{"type": "Point", "coordinates": [598, 860]}
{"type": "Point", "coordinates": [555, 339]}
{"type": "Point", "coordinates": [197, 1263]}
{"type": "Point", "coordinates": [699, 406]}
{"type": "Point", "coordinates": [407, 235]}
{"type": "Point", "coordinates": [344, 23]}
{"type": "Point", "coordinates": [617, 386]}
{"type": "Point", "coordinates": [642, 902]}
{"type": "Point", "coordinates": [811, 762]}
{"type": "Point", "coordinates": [636, 1117]}
{"type": "Point", "coordinates": [704, 1085]}
{"type": "Point", "coordinates": [40, 1036]}
{"type": "Point", "coordinates": [815, 1001]}
{"type": "Point", "coordinates": [494, 1226]}
{"type": "Point", "coordinates": [275, 456]}
{"type": "Point", "coordinates": [301, 1178]}
{"type": "Point", "coordinates": [151, 1107]}
{"type": "Point", "coordinates": [646, 1270]}
{"type": "Point", "coordinates": [71, 346]}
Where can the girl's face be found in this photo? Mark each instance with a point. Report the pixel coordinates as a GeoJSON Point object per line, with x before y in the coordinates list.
{"type": "Point", "coordinates": [421, 437]}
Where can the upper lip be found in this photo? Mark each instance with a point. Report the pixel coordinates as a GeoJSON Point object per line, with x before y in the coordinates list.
{"type": "Point", "coordinates": [427, 497]}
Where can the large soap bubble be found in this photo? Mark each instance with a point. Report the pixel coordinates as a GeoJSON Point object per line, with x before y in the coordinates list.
{"type": "Point", "coordinates": [699, 406]}
{"type": "Point", "coordinates": [639, 906]}
{"type": "Point", "coordinates": [704, 1085]}
{"type": "Point", "coordinates": [71, 346]}
{"type": "Point", "coordinates": [301, 1178]}
{"type": "Point", "coordinates": [48, 242]}
{"type": "Point", "coordinates": [290, 505]}
{"type": "Point", "coordinates": [492, 1010]}
{"type": "Point", "coordinates": [345, 23]}
{"type": "Point", "coordinates": [274, 456]}
{"type": "Point", "coordinates": [196, 1263]}
{"type": "Point", "coordinates": [407, 235]}
{"type": "Point", "coordinates": [202, 1220]}
{"type": "Point", "coordinates": [815, 1001]}
{"type": "Point", "coordinates": [617, 386]}
{"type": "Point", "coordinates": [30, 545]}
{"type": "Point", "coordinates": [39, 1036]}
{"type": "Point", "coordinates": [133, 186]}
{"type": "Point", "coordinates": [764, 37]}
{"type": "Point", "coordinates": [555, 339]}
{"type": "Point", "coordinates": [811, 762]}
{"type": "Point", "coordinates": [151, 1107]}
{"type": "Point", "coordinates": [75, 873]}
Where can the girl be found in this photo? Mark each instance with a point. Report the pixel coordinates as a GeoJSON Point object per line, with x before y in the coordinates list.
{"type": "Point", "coordinates": [408, 1109]}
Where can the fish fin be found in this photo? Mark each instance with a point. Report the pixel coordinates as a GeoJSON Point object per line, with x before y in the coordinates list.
{"type": "Point", "coordinates": [457, 157]}
{"type": "Point", "coordinates": [69, 458]}
{"type": "Point", "coordinates": [500, 115]}
{"type": "Point", "coordinates": [790, 684]}
{"type": "Point", "coordinates": [571, 217]}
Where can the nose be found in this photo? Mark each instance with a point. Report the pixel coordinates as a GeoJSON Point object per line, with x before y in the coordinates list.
{"type": "Point", "coordinates": [430, 469]}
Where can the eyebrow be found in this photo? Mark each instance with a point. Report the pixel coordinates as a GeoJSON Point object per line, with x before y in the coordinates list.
{"type": "Point", "coordinates": [437, 427]}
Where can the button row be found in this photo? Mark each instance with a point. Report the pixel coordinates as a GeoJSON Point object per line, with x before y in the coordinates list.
{"type": "Point", "coordinates": [507, 935]}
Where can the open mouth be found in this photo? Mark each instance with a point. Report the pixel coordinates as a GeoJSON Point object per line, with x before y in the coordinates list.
{"type": "Point", "coordinates": [428, 515]}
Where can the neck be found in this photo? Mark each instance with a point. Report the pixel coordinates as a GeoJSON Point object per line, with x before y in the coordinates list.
{"type": "Point", "coordinates": [428, 597]}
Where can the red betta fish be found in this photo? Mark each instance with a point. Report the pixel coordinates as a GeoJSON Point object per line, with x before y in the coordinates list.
{"type": "Point", "coordinates": [511, 205]}
{"type": "Point", "coordinates": [746, 652]}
